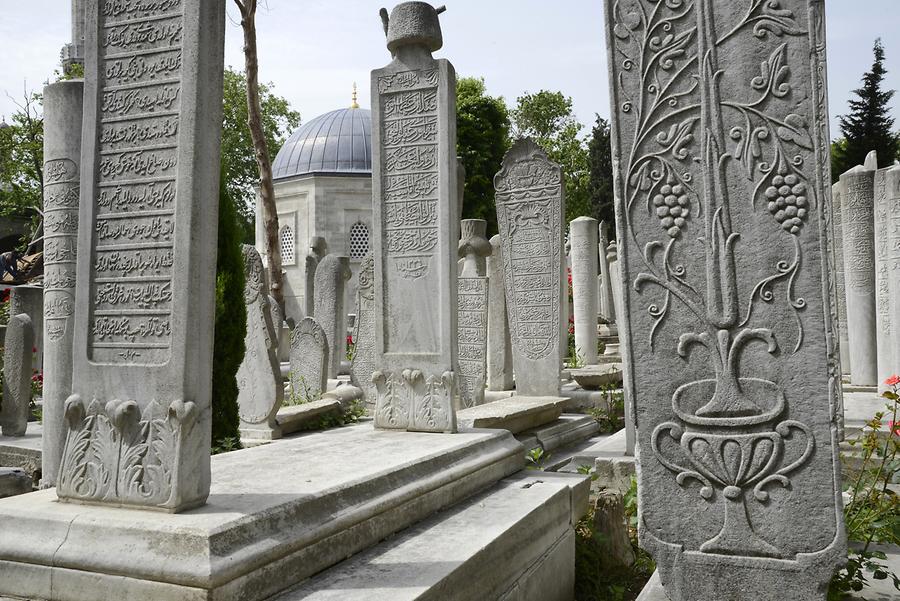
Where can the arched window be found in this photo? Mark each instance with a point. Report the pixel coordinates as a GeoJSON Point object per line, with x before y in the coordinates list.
{"type": "Point", "coordinates": [359, 240]}
{"type": "Point", "coordinates": [287, 245]}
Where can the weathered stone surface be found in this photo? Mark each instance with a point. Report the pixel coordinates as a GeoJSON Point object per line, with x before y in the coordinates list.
{"type": "Point", "coordinates": [884, 331]}
{"type": "Point", "coordinates": [15, 406]}
{"type": "Point", "coordinates": [721, 147]}
{"type": "Point", "coordinates": [530, 209]}
{"type": "Point", "coordinates": [362, 365]}
{"type": "Point", "coordinates": [260, 391]}
{"type": "Point", "coordinates": [318, 249]}
{"type": "Point", "coordinates": [583, 254]}
{"type": "Point", "coordinates": [144, 308]}
{"type": "Point", "coordinates": [63, 102]}
{"type": "Point", "coordinates": [858, 226]}
{"type": "Point", "coordinates": [302, 417]}
{"type": "Point", "coordinates": [892, 233]}
{"type": "Point", "coordinates": [607, 305]}
{"type": "Point", "coordinates": [415, 199]}
{"type": "Point", "coordinates": [594, 377]}
{"type": "Point", "coordinates": [840, 294]}
{"type": "Point", "coordinates": [309, 360]}
{"type": "Point", "coordinates": [472, 319]}
{"type": "Point", "coordinates": [499, 344]}
{"type": "Point", "coordinates": [516, 414]}
{"type": "Point", "coordinates": [331, 275]}
{"type": "Point", "coordinates": [14, 481]}
{"type": "Point", "coordinates": [29, 300]}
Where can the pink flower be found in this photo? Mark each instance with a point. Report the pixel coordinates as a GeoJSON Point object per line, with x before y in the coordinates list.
{"type": "Point", "coordinates": [893, 380]}
{"type": "Point", "coordinates": [894, 427]}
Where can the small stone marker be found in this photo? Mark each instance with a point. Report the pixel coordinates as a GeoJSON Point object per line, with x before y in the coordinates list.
{"type": "Point", "coordinates": [63, 102]}
{"type": "Point", "coordinates": [893, 258]}
{"type": "Point", "coordinates": [607, 305]}
{"type": "Point", "coordinates": [15, 406]}
{"type": "Point", "coordinates": [858, 226]}
{"type": "Point", "coordinates": [499, 344]}
{"type": "Point", "coordinates": [840, 294]}
{"type": "Point", "coordinates": [721, 152]}
{"type": "Point", "coordinates": [309, 360]}
{"type": "Point", "coordinates": [472, 316]}
{"type": "Point", "coordinates": [583, 236]}
{"type": "Point", "coordinates": [260, 391]}
{"type": "Point", "coordinates": [530, 210]}
{"type": "Point", "coordinates": [331, 274]}
{"type": "Point", "coordinates": [318, 248]}
{"type": "Point", "coordinates": [416, 226]}
{"type": "Point", "coordinates": [362, 366]}
{"type": "Point", "coordinates": [884, 331]}
{"type": "Point", "coordinates": [145, 301]}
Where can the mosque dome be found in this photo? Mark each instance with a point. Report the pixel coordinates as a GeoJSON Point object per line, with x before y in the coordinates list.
{"type": "Point", "coordinates": [337, 142]}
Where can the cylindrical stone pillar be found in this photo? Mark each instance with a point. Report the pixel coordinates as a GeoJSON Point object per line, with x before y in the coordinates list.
{"type": "Point", "coordinates": [857, 214]}
{"type": "Point", "coordinates": [884, 329]}
{"type": "Point", "coordinates": [840, 300]}
{"type": "Point", "coordinates": [62, 164]}
{"type": "Point", "coordinates": [583, 237]}
{"type": "Point", "coordinates": [892, 235]}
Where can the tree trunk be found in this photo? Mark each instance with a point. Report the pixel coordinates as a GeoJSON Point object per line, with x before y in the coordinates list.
{"type": "Point", "coordinates": [254, 122]}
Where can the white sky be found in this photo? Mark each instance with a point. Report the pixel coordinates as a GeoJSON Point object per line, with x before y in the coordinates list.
{"type": "Point", "coordinates": [313, 50]}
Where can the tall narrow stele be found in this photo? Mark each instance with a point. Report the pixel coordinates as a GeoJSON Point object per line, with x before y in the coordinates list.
{"type": "Point", "coordinates": [415, 201]}
{"type": "Point", "coordinates": [720, 141]}
{"type": "Point", "coordinates": [138, 420]}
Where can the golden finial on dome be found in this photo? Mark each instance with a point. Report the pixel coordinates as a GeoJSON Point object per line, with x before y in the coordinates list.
{"type": "Point", "coordinates": [353, 103]}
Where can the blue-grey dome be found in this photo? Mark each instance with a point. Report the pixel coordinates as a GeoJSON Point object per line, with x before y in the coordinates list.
{"type": "Point", "coordinates": [336, 142]}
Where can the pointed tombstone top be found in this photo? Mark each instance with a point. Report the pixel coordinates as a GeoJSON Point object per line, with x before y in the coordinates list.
{"type": "Point", "coordinates": [413, 24]}
{"type": "Point", "coordinates": [871, 162]}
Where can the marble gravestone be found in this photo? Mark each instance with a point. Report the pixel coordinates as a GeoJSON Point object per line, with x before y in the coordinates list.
{"type": "Point", "coordinates": [260, 392]}
{"type": "Point", "coordinates": [309, 360]}
{"type": "Point", "coordinates": [530, 210]}
{"type": "Point", "coordinates": [840, 296]}
{"type": "Point", "coordinates": [29, 299]}
{"type": "Point", "coordinates": [720, 142]}
{"type": "Point", "coordinates": [583, 236]}
{"type": "Point", "coordinates": [318, 248]}
{"type": "Point", "coordinates": [892, 234]}
{"type": "Point", "coordinates": [472, 318]}
{"type": "Point", "coordinates": [362, 366]}
{"type": "Point", "coordinates": [145, 300]}
{"type": "Point", "coordinates": [607, 305]}
{"type": "Point", "coordinates": [15, 406]}
{"type": "Point", "coordinates": [499, 344]}
{"type": "Point", "coordinates": [887, 364]}
{"type": "Point", "coordinates": [63, 102]}
{"type": "Point", "coordinates": [331, 274]}
{"type": "Point", "coordinates": [858, 225]}
{"type": "Point", "coordinates": [416, 225]}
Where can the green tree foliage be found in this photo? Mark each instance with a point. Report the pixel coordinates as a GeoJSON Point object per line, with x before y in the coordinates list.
{"type": "Point", "coordinates": [238, 157]}
{"type": "Point", "coordinates": [600, 183]}
{"type": "Point", "coordinates": [869, 125]}
{"type": "Point", "coordinates": [22, 160]}
{"type": "Point", "coordinates": [482, 130]}
{"type": "Point", "coordinates": [231, 324]}
{"type": "Point", "coordinates": [547, 117]}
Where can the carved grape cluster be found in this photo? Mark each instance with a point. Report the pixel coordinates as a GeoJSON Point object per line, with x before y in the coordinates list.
{"type": "Point", "coordinates": [788, 202]}
{"type": "Point", "coordinates": [672, 207]}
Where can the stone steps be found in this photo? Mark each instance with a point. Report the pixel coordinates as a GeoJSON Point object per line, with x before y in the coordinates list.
{"type": "Point", "coordinates": [513, 542]}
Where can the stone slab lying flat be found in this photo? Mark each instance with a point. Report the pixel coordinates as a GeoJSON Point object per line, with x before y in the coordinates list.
{"type": "Point", "coordinates": [294, 418]}
{"type": "Point", "coordinates": [593, 377]}
{"type": "Point", "coordinates": [14, 481]}
{"type": "Point", "coordinates": [23, 451]}
{"type": "Point", "coordinates": [514, 541]}
{"type": "Point", "coordinates": [276, 515]}
{"type": "Point", "coordinates": [516, 414]}
{"type": "Point", "coordinates": [567, 430]}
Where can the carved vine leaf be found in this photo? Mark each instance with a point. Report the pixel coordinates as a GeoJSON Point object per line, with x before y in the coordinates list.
{"type": "Point", "coordinates": [775, 20]}
{"type": "Point", "coordinates": [774, 74]}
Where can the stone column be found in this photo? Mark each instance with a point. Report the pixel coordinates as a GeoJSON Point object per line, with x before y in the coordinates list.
{"type": "Point", "coordinates": [472, 318]}
{"type": "Point", "coordinates": [499, 345]}
{"type": "Point", "coordinates": [840, 294]}
{"type": "Point", "coordinates": [884, 329]}
{"type": "Point", "coordinates": [892, 234]}
{"type": "Point", "coordinates": [17, 345]}
{"type": "Point", "coordinates": [530, 209]}
{"type": "Point", "coordinates": [145, 303]}
{"type": "Point", "coordinates": [607, 305]}
{"type": "Point", "coordinates": [331, 275]}
{"type": "Point", "coordinates": [726, 325]}
{"type": "Point", "coordinates": [858, 224]}
{"type": "Point", "coordinates": [362, 366]}
{"type": "Point", "coordinates": [63, 103]}
{"type": "Point", "coordinates": [583, 234]}
{"type": "Point", "coordinates": [260, 388]}
{"type": "Point", "coordinates": [415, 199]}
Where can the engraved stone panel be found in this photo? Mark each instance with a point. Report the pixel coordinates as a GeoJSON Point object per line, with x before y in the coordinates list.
{"type": "Point", "coordinates": [472, 316]}
{"type": "Point", "coordinates": [415, 197]}
{"type": "Point", "coordinates": [721, 152]}
{"type": "Point", "coordinates": [363, 364]}
{"type": "Point", "coordinates": [331, 274]}
{"type": "Point", "coordinates": [499, 344]}
{"type": "Point", "coordinates": [17, 345]}
{"type": "Point", "coordinates": [892, 234]}
{"type": "Point", "coordinates": [887, 365]}
{"type": "Point", "coordinates": [837, 195]}
{"type": "Point", "coordinates": [530, 210]}
{"type": "Point", "coordinates": [309, 359]}
{"type": "Point", "coordinates": [144, 306]}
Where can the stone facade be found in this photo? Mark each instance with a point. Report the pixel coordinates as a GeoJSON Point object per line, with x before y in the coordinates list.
{"type": "Point", "coordinates": [16, 402]}
{"type": "Point", "coordinates": [722, 133]}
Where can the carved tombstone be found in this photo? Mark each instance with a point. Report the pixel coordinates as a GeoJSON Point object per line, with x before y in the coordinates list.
{"type": "Point", "coordinates": [892, 233]}
{"type": "Point", "coordinates": [583, 235]}
{"type": "Point", "coordinates": [607, 306]}
{"type": "Point", "coordinates": [150, 178]}
{"type": "Point", "coordinates": [16, 403]}
{"type": "Point", "coordinates": [415, 201]}
{"type": "Point", "coordinates": [721, 147]}
{"type": "Point", "coordinates": [858, 226]}
{"type": "Point", "coordinates": [260, 392]}
{"type": "Point", "coordinates": [362, 365]}
{"type": "Point", "coordinates": [887, 364]}
{"type": "Point", "coordinates": [309, 360]}
{"type": "Point", "coordinates": [840, 295]}
{"type": "Point", "coordinates": [318, 248]}
{"type": "Point", "coordinates": [63, 103]}
{"type": "Point", "coordinates": [530, 210]}
{"type": "Point", "coordinates": [472, 316]}
{"type": "Point", "coordinates": [331, 274]}
{"type": "Point", "coordinates": [499, 344]}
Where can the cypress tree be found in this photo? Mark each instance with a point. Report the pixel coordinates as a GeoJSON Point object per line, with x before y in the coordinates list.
{"type": "Point", "coordinates": [600, 185]}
